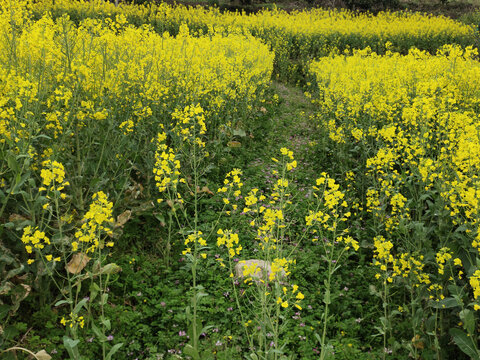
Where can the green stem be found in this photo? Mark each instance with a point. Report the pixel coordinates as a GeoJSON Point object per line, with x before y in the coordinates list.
{"type": "Point", "coordinates": [194, 265]}
{"type": "Point", "coordinates": [237, 301]}
{"type": "Point", "coordinates": [327, 301]}
{"type": "Point", "coordinates": [385, 314]}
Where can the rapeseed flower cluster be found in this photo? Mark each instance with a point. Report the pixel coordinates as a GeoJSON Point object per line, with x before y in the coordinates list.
{"type": "Point", "coordinates": [34, 239]}
{"type": "Point", "coordinates": [53, 177]}
{"type": "Point", "coordinates": [475, 284]}
{"type": "Point", "coordinates": [190, 124]}
{"type": "Point", "coordinates": [442, 257]}
{"type": "Point", "coordinates": [73, 321]}
{"type": "Point", "coordinates": [167, 166]}
{"type": "Point", "coordinates": [232, 185]}
{"type": "Point", "coordinates": [279, 268]}
{"type": "Point", "coordinates": [230, 240]}
{"type": "Point", "coordinates": [193, 240]}
{"type": "Point", "coordinates": [293, 295]}
{"type": "Point", "coordinates": [332, 209]}
{"type": "Point", "coordinates": [98, 219]}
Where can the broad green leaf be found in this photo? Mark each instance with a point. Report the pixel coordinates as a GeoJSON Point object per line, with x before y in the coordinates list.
{"type": "Point", "coordinates": [465, 343]}
{"type": "Point", "coordinates": [201, 295]}
{"type": "Point", "coordinates": [190, 351]}
{"type": "Point", "coordinates": [4, 309]}
{"type": "Point", "coordinates": [468, 319]}
{"type": "Point", "coordinates": [101, 336]}
{"type": "Point", "coordinates": [61, 302]}
{"type": "Point", "coordinates": [113, 350]}
{"type": "Point", "coordinates": [446, 303]}
{"type": "Point", "coordinates": [326, 297]}
{"type": "Point", "coordinates": [103, 299]}
{"type": "Point", "coordinates": [94, 290]}
{"type": "Point", "coordinates": [106, 323]}
{"type": "Point", "coordinates": [12, 162]}
{"type": "Point", "coordinates": [79, 306]}
{"type": "Point", "coordinates": [71, 347]}
{"type": "Point", "coordinates": [430, 323]}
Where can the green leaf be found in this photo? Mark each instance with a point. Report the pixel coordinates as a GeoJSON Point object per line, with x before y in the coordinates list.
{"type": "Point", "coordinates": [10, 332]}
{"type": "Point", "coordinates": [94, 290]}
{"type": "Point", "coordinates": [326, 297]}
{"type": "Point", "coordinates": [100, 335]}
{"type": "Point", "coordinates": [79, 306]}
{"type": "Point", "coordinates": [201, 295]}
{"type": "Point", "coordinates": [113, 350]}
{"type": "Point", "coordinates": [465, 343]}
{"type": "Point", "coordinates": [9, 225]}
{"type": "Point", "coordinates": [19, 181]}
{"type": "Point", "coordinates": [103, 299]}
{"type": "Point", "coordinates": [4, 309]}
{"type": "Point", "coordinates": [468, 319]}
{"type": "Point", "coordinates": [61, 302]}
{"type": "Point", "coordinates": [336, 268]}
{"type": "Point", "coordinates": [190, 351]}
{"type": "Point", "coordinates": [43, 136]}
{"type": "Point", "coordinates": [106, 323]}
{"type": "Point", "coordinates": [430, 323]}
{"type": "Point", "coordinates": [373, 291]}
{"type": "Point", "coordinates": [446, 303]}
{"type": "Point", "coordinates": [454, 289]}
{"type": "Point", "coordinates": [206, 328]}
{"type": "Point", "coordinates": [14, 272]}
{"type": "Point", "coordinates": [12, 162]}
{"type": "Point", "coordinates": [71, 347]}
{"type": "Point", "coordinates": [4, 258]}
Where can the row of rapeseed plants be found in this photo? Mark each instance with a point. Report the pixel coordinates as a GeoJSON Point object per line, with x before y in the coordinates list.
{"type": "Point", "coordinates": [295, 37]}
{"type": "Point", "coordinates": [413, 123]}
{"type": "Point", "coordinates": [103, 104]}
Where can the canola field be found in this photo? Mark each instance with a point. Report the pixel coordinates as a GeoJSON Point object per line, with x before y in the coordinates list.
{"type": "Point", "coordinates": [158, 199]}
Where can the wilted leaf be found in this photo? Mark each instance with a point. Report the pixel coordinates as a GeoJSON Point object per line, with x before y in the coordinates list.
{"type": "Point", "coordinates": [77, 263]}
{"type": "Point", "coordinates": [417, 342]}
{"type": "Point", "coordinates": [234, 144]}
{"type": "Point", "coordinates": [204, 189]}
{"type": "Point", "coordinates": [17, 217]}
{"type": "Point", "coordinates": [134, 191]}
{"type": "Point", "coordinates": [239, 132]}
{"type": "Point", "coordinates": [263, 110]}
{"type": "Point", "coordinates": [43, 355]}
{"type": "Point", "coordinates": [123, 218]}
{"type": "Point", "coordinates": [6, 288]}
{"type": "Point", "coordinates": [110, 269]}
{"type": "Point", "coordinates": [170, 203]}
{"type": "Point", "coordinates": [26, 290]}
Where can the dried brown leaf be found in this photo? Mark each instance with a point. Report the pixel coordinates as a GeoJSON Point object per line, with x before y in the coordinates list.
{"type": "Point", "coordinates": [42, 355]}
{"type": "Point", "coordinates": [77, 263]}
{"type": "Point", "coordinates": [17, 217]}
{"type": "Point", "coordinates": [123, 218]}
